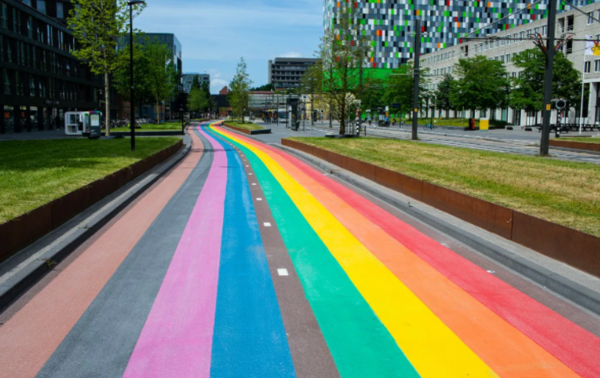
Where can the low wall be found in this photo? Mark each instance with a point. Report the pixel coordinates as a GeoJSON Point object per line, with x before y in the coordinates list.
{"type": "Point", "coordinates": [20, 232]}
{"type": "Point", "coordinates": [249, 132]}
{"type": "Point", "coordinates": [576, 145]}
{"type": "Point", "coordinates": [570, 246]}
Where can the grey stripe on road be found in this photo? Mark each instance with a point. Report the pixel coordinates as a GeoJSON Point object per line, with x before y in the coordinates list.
{"type": "Point", "coordinates": [101, 342]}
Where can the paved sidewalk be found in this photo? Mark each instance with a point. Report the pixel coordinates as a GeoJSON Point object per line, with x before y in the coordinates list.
{"type": "Point", "coordinates": [37, 135]}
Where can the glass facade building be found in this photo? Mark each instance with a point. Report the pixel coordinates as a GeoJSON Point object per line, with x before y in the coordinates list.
{"type": "Point", "coordinates": [390, 24]}
{"type": "Point", "coordinates": [188, 78]}
{"type": "Point", "coordinates": [41, 79]}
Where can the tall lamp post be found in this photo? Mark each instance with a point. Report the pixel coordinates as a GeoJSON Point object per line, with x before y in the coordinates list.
{"type": "Point", "coordinates": [132, 96]}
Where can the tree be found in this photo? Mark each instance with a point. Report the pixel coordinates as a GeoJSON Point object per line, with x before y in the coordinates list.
{"type": "Point", "coordinates": [195, 84]}
{"type": "Point", "coordinates": [205, 88]}
{"type": "Point", "coordinates": [481, 84]}
{"type": "Point", "coordinates": [97, 25]}
{"type": "Point", "coordinates": [238, 95]}
{"type": "Point", "coordinates": [343, 53]}
{"type": "Point", "coordinates": [121, 76]}
{"type": "Point", "coordinates": [400, 88]}
{"type": "Point", "coordinates": [527, 90]}
{"type": "Point", "coordinates": [444, 92]}
{"type": "Point", "coordinates": [162, 74]}
{"type": "Point", "coordinates": [312, 80]}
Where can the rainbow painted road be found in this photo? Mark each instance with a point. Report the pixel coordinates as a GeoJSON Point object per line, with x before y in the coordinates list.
{"type": "Point", "coordinates": [245, 261]}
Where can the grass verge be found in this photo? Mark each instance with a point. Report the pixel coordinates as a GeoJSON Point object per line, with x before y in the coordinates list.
{"type": "Point", "coordinates": [245, 126]}
{"type": "Point", "coordinates": [33, 173]}
{"type": "Point", "coordinates": [563, 192]}
{"type": "Point", "coordinates": [582, 140]}
{"type": "Point", "coordinates": [167, 126]}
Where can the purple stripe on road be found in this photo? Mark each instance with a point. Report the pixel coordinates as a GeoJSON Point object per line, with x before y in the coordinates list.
{"type": "Point", "coordinates": [176, 340]}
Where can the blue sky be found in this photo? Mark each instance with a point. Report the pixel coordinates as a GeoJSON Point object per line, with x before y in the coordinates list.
{"type": "Point", "coordinates": [216, 34]}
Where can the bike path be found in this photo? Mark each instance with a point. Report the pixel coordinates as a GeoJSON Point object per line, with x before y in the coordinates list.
{"type": "Point", "coordinates": [477, 314]}
{"type": "Point", "coordinates": [246, 262]}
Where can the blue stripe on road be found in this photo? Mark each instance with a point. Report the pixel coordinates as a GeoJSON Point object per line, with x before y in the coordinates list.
{"type": "Point", "coordinates": [249, 337]}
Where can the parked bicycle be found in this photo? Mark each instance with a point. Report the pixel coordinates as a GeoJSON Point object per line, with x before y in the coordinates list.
{"type": "Point", "coordinates": [428, 126]}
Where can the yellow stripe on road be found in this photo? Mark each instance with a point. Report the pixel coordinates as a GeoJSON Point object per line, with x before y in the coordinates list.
{"type": "Point", "coordinates": [432, 348]}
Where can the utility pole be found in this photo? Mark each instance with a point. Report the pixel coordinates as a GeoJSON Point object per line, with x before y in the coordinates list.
{"type": "Point", "coordinates": [547, 110]}
{"type": "Point", "coordinates": [417, 55]}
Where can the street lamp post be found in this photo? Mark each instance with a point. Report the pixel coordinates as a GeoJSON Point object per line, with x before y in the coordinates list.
{"type": "Point", "coordinates": [132, 96]}
{"type": "Point", "coordinates": [182, 125]}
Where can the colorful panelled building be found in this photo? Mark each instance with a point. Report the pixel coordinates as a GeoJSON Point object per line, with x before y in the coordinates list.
{"type": "Point", "coordinates": [390, 23]}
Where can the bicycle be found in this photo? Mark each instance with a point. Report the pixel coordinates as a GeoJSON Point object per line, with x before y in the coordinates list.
{"type": "Point", "coordinates": [428, 126]}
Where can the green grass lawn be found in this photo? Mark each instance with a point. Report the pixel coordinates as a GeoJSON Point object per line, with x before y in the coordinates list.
{"type": "Point", "coordinates": [167, 126]}
{"type": "Point", "coordinates": [583, 140]}
{"type": "Point", "coordinates": [246, 126]}
{"type": "Point", "coordinates": [36, 172]}
{"type": "Point", "coordinates": [563, 192]}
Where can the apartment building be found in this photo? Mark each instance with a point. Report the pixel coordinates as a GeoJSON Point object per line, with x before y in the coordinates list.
{"type": "Point", "coordinates": [516, 40]}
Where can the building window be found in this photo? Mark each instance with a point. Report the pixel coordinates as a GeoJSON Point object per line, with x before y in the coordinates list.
{"type": "Point", "coordinates": [6, 81]}
{"type": "Point", "coordinates": [60, 13]}
{"type": "Point", "coordinates": [497, 43]}
{"type": "Point", "coordinates": [476, 49]}
{"type": "Point", "coordinates": [596, 65]}
{"type": "Point", "coordinates": [27, 2]}
{"type": "Point", "coordinates": [507, 58]}
{"type": "Point", "coordinates": [16, 21]}
{"type": "Point", "coordinates": [522, 35]}
{"type": "Point", "coordinates": [4, 16]}
{"type": "Point", "coordinates": [18, 88]}
{"type": "Point", "coordinates": [587, 67]}
{"type": "Point", "coordinates": [590, 18]}
{"type": "Point", "coordinates": [515, 37]}
{"type": "Point", "coordinates": [544, 30]}
{"type": "Point", "coordinates": [32, 86]}
{"type": "Point", "coordinates": [8, 49]}
{"type": "Point", "coordinates": [502, 42]}
{"type": "Point", "coordinates": [30, 27]}
{"type": "Point", "coordinates": [41, 6]}
{"type": "Point", "coordinates": [508, 39]}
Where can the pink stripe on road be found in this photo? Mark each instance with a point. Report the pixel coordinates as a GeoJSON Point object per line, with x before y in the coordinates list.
{"type": "Point", "coordinates": [176, 340]}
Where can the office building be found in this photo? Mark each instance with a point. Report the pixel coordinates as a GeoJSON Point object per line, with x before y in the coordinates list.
{"type": "Point", "coordinates": [572, 22]}
{"type": "Point", "coordinates": [389, 24]}
{"type": "Point", "coordinates": [188, 79]}
{"type": "Point", "coordinates": [285, 73]}
{"type": "Point", "coordinates": [41, 79]}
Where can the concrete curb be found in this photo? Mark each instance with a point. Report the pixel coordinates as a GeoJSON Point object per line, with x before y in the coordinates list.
{"type": "Point", "coordinates": [571, 290]}
{"type": "Point", "coordinates": [29, 265]}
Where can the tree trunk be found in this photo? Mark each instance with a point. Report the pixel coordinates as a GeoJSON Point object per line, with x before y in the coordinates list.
{"type": "Point", "coordinates": [158, 112]}
{"type": "Point", "coordinates": [107, 101]}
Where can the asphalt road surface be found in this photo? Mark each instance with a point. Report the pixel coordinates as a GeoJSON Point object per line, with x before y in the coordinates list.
{"type": "Point", "coordinates": [244, 261]}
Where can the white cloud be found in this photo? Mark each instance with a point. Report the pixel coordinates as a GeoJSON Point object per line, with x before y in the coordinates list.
{"type": "Point", "coordinates": [291, 55]}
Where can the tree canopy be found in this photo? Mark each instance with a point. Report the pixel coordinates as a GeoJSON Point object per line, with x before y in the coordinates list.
{"type": "Point", "coordinates": [239, 87]}
{"type": "Point", "coordinates": [97, 25]}
{"type": "Point", "coordinates": [162, 73]}
{"type": "Point", "coordinates": [527, 91]}
{"type": "Point", "coordinates": [481, 84]}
